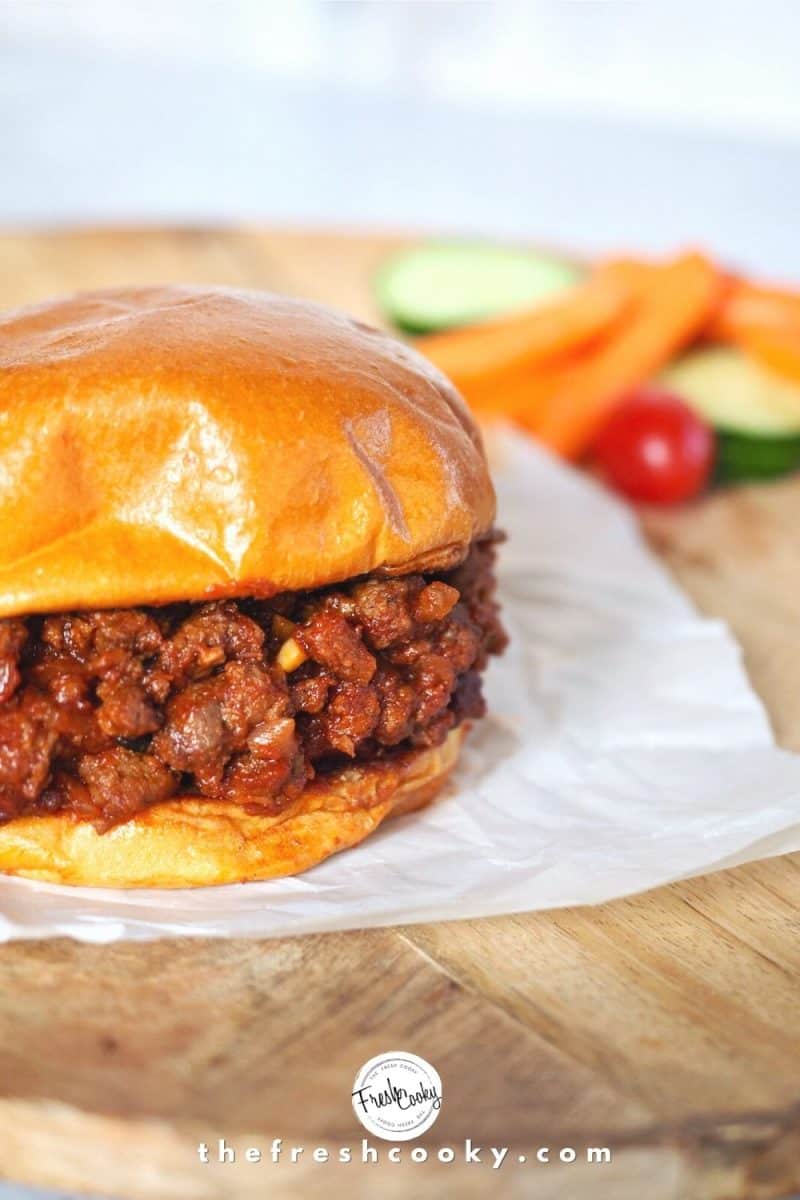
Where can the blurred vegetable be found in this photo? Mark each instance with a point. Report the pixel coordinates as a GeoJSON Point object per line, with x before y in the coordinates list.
{"type": "Point", "coordinates": [742, 456]}
{"type": "Point", "coordinates": [755, 410]}
{"type": "Point", "coordinates": [441, 285]}
{"type": "Point", "coordinates": [571, 347]}
{"type": "Point", "coordinates": [487, 361]}
{"type": "Point", "coordinates": [655, 449]}
{"type": "Point", "coordinates": [747, 308]}
{"type": "Point", "coordinates": [733, 391]}
{"type": "Point", "coordinates": [778, 350]}
{"type": "Point", "coordinates": [672, 302]}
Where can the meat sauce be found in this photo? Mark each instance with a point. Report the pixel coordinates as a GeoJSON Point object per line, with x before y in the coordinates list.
{"type": "Point", "coordinates": [105, 713]}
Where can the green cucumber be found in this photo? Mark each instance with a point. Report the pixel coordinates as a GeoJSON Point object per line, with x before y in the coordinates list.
{"type": "Point", "coordinates": [755, 411]}
{"type": "Point", "coordinates": [732, 391]}
{"type": "Point", "coordinates": [742, 456]}
{"type": "Point", "coordinates": [441, 285]}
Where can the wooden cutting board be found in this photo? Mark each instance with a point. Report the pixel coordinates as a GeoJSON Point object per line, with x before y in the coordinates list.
{"type": "Point", "coordinates": [666, 1026]}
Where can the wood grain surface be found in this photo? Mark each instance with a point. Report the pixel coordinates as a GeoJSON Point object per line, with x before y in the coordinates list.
{"type": "Point", "coordinates": [666, 1026]}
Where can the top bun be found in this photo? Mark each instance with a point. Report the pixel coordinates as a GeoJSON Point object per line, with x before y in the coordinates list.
{"type": "Point", "coordinates": [185, 443]}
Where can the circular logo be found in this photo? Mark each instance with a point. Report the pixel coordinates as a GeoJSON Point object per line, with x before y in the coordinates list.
{"type": "Point", "coordinates": [397, 1096]}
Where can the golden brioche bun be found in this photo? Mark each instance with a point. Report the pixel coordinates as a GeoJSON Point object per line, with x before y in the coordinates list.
{"type": "Point", "coordinates": [193, 842]}
{"type": "Point", "coordinates": [181, 443]}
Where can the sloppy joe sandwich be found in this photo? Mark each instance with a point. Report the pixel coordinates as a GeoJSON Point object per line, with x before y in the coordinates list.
{"type": "Point", "coordinates": [246, 590]}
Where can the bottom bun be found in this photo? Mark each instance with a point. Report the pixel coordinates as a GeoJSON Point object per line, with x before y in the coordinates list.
{"type": "Point", "coordinates": [193, 843]}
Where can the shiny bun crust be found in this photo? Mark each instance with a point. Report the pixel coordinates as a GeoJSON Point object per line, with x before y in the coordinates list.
{"type": "Point", "coordinates": [180, 443]}
{"type": "Point", "coordinates": [191, 842]}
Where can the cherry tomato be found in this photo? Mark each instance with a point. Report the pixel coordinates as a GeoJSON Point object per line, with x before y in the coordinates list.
{"type": "Point", "coordinates": [655, 449]}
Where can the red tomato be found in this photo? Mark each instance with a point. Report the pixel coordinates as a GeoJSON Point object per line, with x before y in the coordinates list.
{"type": "Point", "coordinates": [655, 449]}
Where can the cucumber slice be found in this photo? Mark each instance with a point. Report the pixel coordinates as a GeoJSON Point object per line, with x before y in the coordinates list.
{"type": "Point", "coordinates": [742, 456]}
{"type": "Point", "coordinates": [440, 285]}
{"type": "Point", "coordinates": [733, 392]}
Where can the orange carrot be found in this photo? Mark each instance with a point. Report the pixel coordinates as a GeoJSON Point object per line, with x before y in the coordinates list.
{"type": "Point", "coordinates": [746, 308]}
{"type": "Point", "coordinates": [522, 396]}
{"type": "Point", "coordinates": [777, 349]}
{"type": "Point", "coordinates": [480, 359]}
{"type": "Point", "coordinates": [673, 305]}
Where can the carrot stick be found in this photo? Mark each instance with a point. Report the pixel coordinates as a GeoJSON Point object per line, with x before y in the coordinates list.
{"type": "Point", "coordinates": [481, 358]}
{"type": "Point", "coordinates": [522, 396]}
{"type": "Point", "coordinates": [673, 306]}
{"type": "Point", "coordinates": [777, 349]}
{"type": "Point", "coordinates": [746, 308]}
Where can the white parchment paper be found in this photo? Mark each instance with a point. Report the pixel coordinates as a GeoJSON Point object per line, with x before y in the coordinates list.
{"type": "Point", "coordinates": [625, 749]}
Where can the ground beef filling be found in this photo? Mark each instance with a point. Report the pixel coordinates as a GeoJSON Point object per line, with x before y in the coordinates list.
{"type": "Point", "coordinates": [105, 713]}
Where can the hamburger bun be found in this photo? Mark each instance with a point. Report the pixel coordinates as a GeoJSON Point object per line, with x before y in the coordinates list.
{"type": "Point", "coordinates": [186, 443]}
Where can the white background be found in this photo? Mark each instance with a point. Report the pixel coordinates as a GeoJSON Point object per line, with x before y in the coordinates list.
{"type": "Point", "coordinates": [590, 124]}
